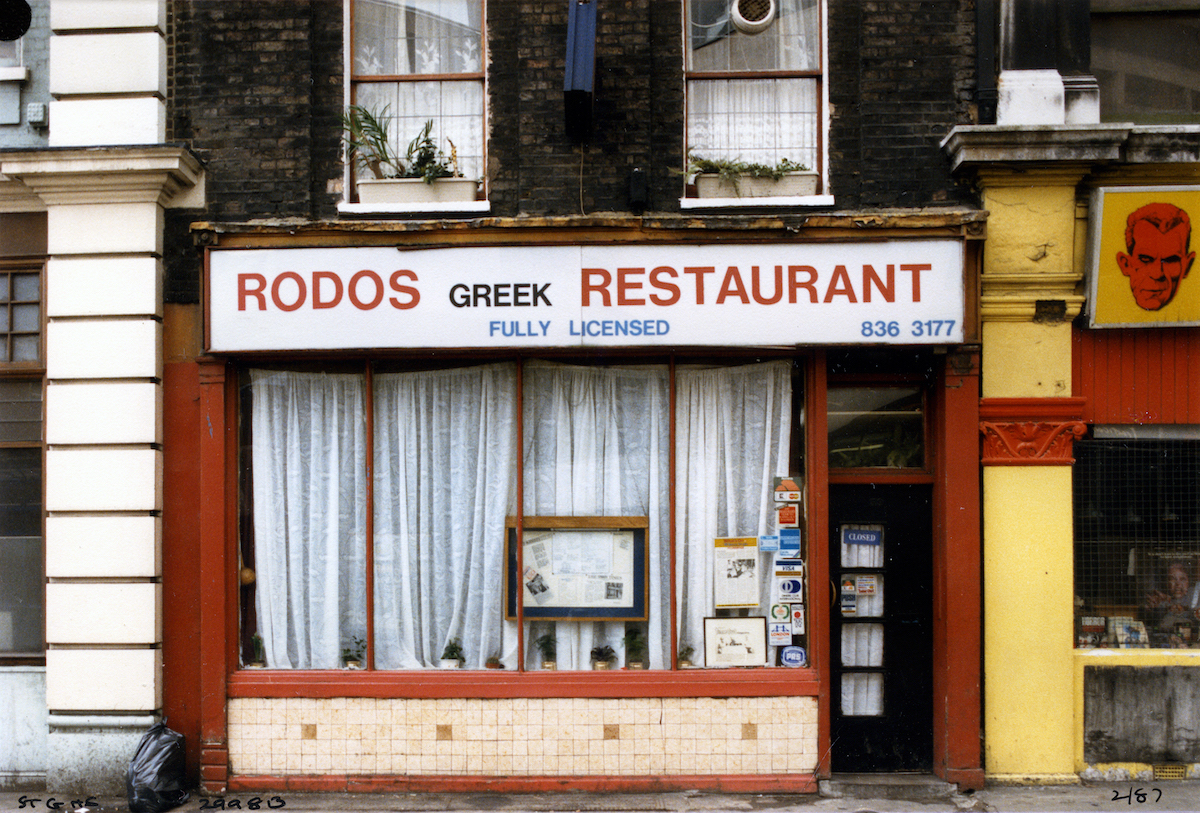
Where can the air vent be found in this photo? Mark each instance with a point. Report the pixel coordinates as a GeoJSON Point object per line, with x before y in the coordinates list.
{"type": "Point", "coordinates": [752, 16]}
{"type": "Point", "coordinates": [1170, 772]}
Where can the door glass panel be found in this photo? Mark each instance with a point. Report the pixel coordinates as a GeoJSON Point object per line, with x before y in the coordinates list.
{"type": "Point", "coordinates": [862, 545]}
{"type": "Point", "coordinates": [876, 427]}
{"type": "Point", "coordinates": [862, 645]}
{"type": "Point", "coordinates": [862, 595]}
{"type": "Point", "coordinates": [862, 694]}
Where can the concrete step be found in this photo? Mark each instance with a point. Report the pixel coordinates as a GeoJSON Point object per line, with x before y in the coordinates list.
{"type": "Point", "coordinates": [913, 787]}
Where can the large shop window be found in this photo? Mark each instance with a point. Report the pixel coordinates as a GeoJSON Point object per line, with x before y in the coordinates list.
{"type": "Point", "coordinates": [1147, 85]}
{"type": "Point", "coordinates": [1137, 543]}
{"type": "Point", "coordinates": [420, 61]}
{"type": "Point", "coordinates": [754, 96]}
{"type": "Point", "coordinates": [378, 507]}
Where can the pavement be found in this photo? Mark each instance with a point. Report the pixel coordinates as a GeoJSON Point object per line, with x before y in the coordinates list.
{"type": "Point", "coordinates": [1158, 796]}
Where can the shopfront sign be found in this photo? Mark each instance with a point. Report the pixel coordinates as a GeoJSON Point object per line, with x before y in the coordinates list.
{"type": "Point", "coordinates": [887, 292]}
{"type": "Point", "coordinates": [1141, 257]}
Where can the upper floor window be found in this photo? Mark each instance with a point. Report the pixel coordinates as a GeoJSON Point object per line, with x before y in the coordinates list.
{"type": "Point", "coordinates": [420, 61]}
{"type": "Point", "coordinates": [754, 81]}
{"type": "Point", "coordinates": [1145, 62]}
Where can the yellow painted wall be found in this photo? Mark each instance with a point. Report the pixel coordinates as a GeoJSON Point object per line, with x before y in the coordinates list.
{"type": "Point", "coordinates": [1031, 227]}
{"type": "Point", "coordinates": [1029, 720]}
{"type": "Point", "coordinates": [1026, 360]}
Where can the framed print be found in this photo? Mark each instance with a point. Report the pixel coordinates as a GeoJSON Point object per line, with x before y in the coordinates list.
{"type": "Point", "coordinates": [578, 568]}
{"type": "Point", "coordinates": [735, 641]}
{"type": "Point", "coordinates": [1140, 257]}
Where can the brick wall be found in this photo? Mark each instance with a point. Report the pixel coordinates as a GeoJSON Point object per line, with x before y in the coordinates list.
{"type": "Point", "coordinates": [256, 88]}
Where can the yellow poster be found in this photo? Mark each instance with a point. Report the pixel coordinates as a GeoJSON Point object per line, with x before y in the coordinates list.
{"type": "Point", "coordinates": [1142, 257]}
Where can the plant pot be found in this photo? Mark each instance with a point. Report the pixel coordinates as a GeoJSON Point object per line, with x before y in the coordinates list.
{"type": "Point", "coordinates": [791, 185]}
{"type": "Point", "coordinates": [601, 665]}
{"type": "Point", "coordinates": [352, 664]}
{"type": "Point", "coordinates": [256, 665]}
{"type": "Point", "coordinates": [450, 663]}
{"type": "Point", "coordinates": [636, 665]}
{"type": "Point", "coordinates": [415, 190]}
{"type": "Point", "coordinates": [550, 666]}
{"type": "Point", "coordinates": [684, 663]}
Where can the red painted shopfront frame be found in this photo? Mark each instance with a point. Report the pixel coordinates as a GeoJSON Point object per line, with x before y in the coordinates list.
{"type": "Point", "coordinates": [957, 618]}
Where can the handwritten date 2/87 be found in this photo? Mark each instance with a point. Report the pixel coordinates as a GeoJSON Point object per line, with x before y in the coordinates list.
{"type": "Point", "coordinates": [1137, 795]}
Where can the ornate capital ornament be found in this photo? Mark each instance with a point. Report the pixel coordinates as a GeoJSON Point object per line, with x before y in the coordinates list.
{"type": "Point", "coordinates": [1030, 431]}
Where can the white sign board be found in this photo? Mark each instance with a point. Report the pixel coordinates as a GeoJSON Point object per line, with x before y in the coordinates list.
{"type": "Point", "coordinates": [887, 292]}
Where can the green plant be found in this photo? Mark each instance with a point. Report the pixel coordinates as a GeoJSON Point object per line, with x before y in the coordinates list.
{"type": "Point", "coordinates": [369, 146]}
{"type": "Point", "coordinates": [354, 652]}
{"type": "Point", "coordinates": [685, 653]}
{"type": "Point", "coordinates": [635, 645]}
{"type": "Point", "coordinates": [547, 644]}
{"type": "Point", "coordinates": [453, 650]}
{"type": "Point", "coordinates": [731, 170]}
{"type": "Point", "coordinates": [260, 651]}
{"type": "Point", "coordinates": [493, 661]}
{"type": "Point", "coordinates": [603, 654]}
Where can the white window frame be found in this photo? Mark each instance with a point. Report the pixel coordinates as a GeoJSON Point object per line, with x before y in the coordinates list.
{"type": "Point", "coordinates": [346, 205]}
{"type": "Point", "coordinates": [822, 135]}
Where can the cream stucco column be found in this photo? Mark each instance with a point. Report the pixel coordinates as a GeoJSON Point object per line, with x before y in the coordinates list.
{"type": "Point", "coordinates": [103, 492]}
{"type": "Point", "coordinates": [1030, 279]}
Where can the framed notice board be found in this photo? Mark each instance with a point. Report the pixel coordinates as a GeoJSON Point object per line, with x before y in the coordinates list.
{"type": "Point", "coordinates": [579, 568]}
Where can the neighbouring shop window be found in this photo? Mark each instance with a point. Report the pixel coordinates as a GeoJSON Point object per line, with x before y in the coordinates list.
{"type": "Point", "coordinates": [876, 427]}
{"type": "Point", "coordinates": [1137, 543]}
{"type": "Point", "coordinates": [754, 97]}
{"type": "Point", "coordinates": [416, 61]}
{"type": "Point", "coordinates": [445, 464]}
{"type": "Point", "coordinates": [1146, 61]}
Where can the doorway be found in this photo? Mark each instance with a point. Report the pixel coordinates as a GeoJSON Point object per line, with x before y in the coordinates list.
{"type": "Point", "coordinates": [881, 565]}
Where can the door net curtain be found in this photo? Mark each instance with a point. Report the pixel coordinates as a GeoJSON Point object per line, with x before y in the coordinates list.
{"type": "Point", "coordinates": [596, 443]}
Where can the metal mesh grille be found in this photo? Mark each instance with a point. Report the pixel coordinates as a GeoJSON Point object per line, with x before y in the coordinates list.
{"type": "Point", "coordinates": [754, 10]}
{"type": "Point", "coordinates": [1137, 543]}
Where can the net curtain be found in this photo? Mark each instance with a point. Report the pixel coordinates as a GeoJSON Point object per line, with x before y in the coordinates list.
{"type": "Point", "coordinates": [596, 443]}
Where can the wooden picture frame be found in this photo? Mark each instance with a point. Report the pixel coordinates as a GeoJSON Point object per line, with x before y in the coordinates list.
{"type": "Point", "coordinates": [737, 641]}
{"type": "Point", "coordinates": [578, 568]}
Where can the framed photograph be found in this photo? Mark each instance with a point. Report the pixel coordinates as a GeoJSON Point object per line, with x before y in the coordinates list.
{"type": "Point", "coordinates": [578, 568]}
{"type": "Point", "coordinates": [735, 642]}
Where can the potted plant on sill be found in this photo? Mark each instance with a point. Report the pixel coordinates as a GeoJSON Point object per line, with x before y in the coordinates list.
{"type": "Point", "coordinates": [452, 654]}
{"type": "Point", "coordinates": [685, 656]}
{"type": "Point", "coordinates": [731, 178]}
{"type": "Point", "coordinates": [258, 652]}
{"type": "Point", "coordinates": [547, 644]}
{"type": "Point", "coordinates": [603, 657]}
{"type": "Point", "coordinates": [423, 174]}
{"type": "Point", "coordinates": [352, 656]}
{"type": "Point", "coordinates": [493, 661]}
{"type": "Point", "coordinates": [636, 648]}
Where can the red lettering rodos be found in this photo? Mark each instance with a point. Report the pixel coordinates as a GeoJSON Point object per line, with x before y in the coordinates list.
{"type": "Point", "coordinates": [624, 284]}
{"type": "Point", "coordinates": [888, 290]}
{"type": "Point", "coordinates": [301, 291]}
{"type": "Point", "coordinates": [840, 285]}
{"type": "Point", "coordinates": [258, 291]}
{"type": "Point", "coordinates": [317, 278]}
{"type": "Point", "coordinates": [754, 288]}
{"type": "Point", "coordinates": [732, 286]}
{"type": "Point", "coordinates": [916, 270]}
{"type": "Point", "coordinates": [699, 272]}
{"type": "Point", "coordinates": [414, 296]}
{"type": "Point", "coordinates": [352, 290]}
{"type": "Point", "coordinates": [671, 288]}
{"type": "Point", "coordinates": [794, 283]}
{"type": "Point", "coordinates": [600, 287]}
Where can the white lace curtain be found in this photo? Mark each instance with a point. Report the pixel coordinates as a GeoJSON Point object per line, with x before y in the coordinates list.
{"type": "Point", "coordinates": [596, 443]}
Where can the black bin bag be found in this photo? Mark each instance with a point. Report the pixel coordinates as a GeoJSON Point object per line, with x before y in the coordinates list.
{"type": "Point", "coordinates": [156, 777]}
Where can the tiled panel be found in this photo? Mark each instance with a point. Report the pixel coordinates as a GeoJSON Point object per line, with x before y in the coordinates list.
{"type": "Point", "coordinates": [523, 737]}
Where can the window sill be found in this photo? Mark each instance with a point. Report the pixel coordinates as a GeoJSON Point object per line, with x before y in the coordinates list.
{"type": "Point", "coordinates": [447, 208]}
{"type": "Point", "coordinates": [695, 204]}
{"type": "Point", "coordinates": [487, 683]}
{"type": "Point", "coordinates": [17, 74]}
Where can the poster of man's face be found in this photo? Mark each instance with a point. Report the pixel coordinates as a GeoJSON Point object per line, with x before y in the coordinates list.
{"type": "Point", "coordinates": [1141, 255]}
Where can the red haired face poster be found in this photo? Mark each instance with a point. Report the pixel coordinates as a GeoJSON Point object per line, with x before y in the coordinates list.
{"type": "Point", "coordinates": [1142, 258]}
